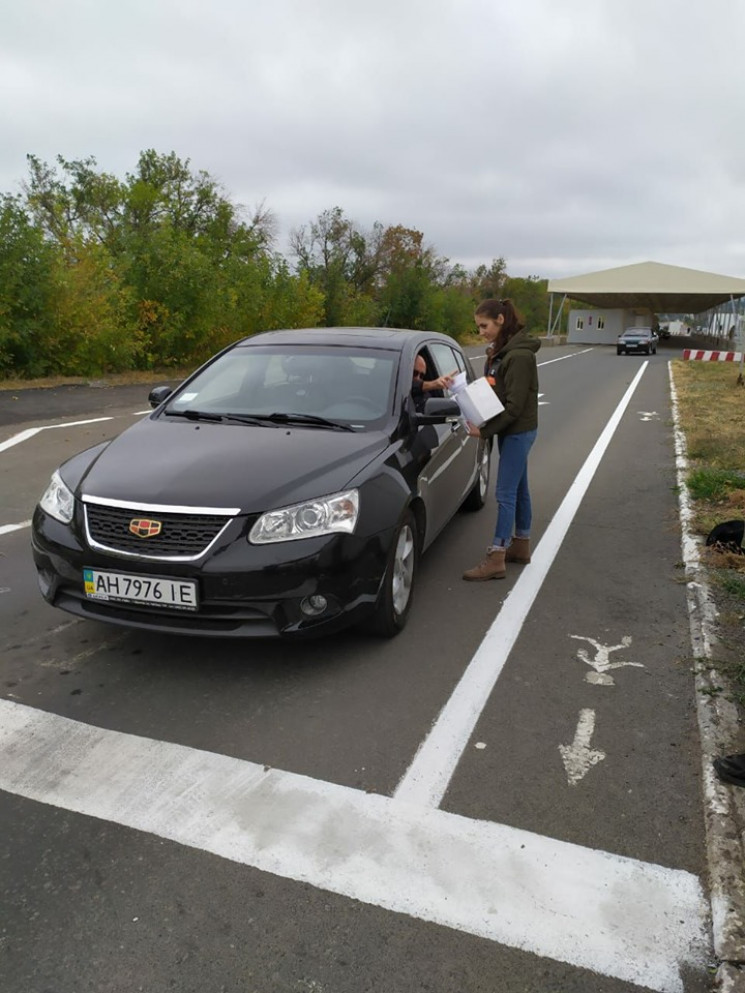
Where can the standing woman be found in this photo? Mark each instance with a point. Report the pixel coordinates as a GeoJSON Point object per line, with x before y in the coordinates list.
{"type": "Point", "coordinates": [512, 372]}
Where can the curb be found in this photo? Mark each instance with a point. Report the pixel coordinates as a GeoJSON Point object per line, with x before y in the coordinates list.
{"type": "Point", "coordinates": [719, 727]}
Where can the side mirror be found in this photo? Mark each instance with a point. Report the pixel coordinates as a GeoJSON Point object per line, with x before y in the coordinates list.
{"type": "Point", "coordinates": [158, 394]}
{"type": "Point", "coordinates": [438, 410]}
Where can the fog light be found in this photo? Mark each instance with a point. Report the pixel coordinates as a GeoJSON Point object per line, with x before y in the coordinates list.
{"type": "Point", "coordinates": [311, 606]}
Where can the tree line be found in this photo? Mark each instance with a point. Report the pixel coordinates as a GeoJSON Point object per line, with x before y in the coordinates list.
{"type": "Point", "coordinates": [161, 269]}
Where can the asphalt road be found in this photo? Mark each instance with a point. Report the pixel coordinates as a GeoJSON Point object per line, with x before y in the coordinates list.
{"type": "Point", "coordinates": [574, 790]}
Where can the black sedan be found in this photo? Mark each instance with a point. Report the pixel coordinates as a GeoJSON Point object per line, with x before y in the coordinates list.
{"type": "Point", "coordinates": [637, 340]}
{"type": "Point", "coordinates": [286, 488]}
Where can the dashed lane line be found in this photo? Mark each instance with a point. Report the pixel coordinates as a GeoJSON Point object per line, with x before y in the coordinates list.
{"type": "Point", "coordinates": [16, 439]}
{"type": "Point", "coordinates": [620, 917]}
{"type": "Point", "coordinates": [8, 528]}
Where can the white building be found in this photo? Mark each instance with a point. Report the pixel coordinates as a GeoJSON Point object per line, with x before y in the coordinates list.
{"type": "Point", "coordinates": [611, 300]}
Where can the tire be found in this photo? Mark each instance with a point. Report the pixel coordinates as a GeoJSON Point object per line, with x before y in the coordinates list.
{"type": "Point", "coordinates": [477, 496]}
{"type": "Point", "coordinates": [619, 351]}
{"type": "Point", "coordinates": [397, 592]}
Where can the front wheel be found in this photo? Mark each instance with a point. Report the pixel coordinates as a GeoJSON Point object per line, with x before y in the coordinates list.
{"type": "Point", "coordinates": [397, 592]}
{"type": "Point", "coordinates": [619, 351]}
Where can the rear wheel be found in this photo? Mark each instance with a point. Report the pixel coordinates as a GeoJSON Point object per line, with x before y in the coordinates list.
{"type": "Point", "coordinates": [397, 592]}
{"type": "Point", "coordinates": [477, 496]}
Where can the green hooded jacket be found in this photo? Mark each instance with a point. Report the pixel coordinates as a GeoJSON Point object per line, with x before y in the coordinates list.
{"type": "Point", "coordinates": [513, 373]}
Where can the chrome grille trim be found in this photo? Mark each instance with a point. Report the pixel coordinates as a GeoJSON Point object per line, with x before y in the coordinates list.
{"type": "Point", "coordinates": [160, 508]}
{"type": "Point", "coordinates": [124, 549]}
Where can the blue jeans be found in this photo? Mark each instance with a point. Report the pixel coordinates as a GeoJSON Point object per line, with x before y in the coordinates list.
{"type": "Point", "coordinates": [514, 511]}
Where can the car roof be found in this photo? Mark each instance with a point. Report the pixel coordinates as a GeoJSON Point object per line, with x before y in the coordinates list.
{"type": "Point", "coordinates": [398, 339]}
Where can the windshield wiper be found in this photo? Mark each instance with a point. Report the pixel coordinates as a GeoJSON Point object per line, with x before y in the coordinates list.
{"type": "Point", "coordinates": [277, 418]}
{"type": "Point", "coordinates": [194, 415]}
{"type": "Point", "coordinates": [250, 419]}
{"type": "Point", "coordinates": [323, 422]}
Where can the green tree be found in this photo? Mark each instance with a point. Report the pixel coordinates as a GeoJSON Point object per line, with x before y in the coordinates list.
{"type": "Point", "coordinates": [530, 296]}
{"type": "Point", "coordinates": [342, 261]}
{"type": "Point", "coordinates": [27, 284]}
{"type": "Point", "coordinates": [487, 282]}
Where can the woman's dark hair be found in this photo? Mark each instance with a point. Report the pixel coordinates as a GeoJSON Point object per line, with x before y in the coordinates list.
{"type": "Point", "coordinates": [512, 320]}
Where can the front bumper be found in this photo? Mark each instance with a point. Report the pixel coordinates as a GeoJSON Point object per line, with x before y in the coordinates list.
{"type": "Point", "coordinates": [245, 591]}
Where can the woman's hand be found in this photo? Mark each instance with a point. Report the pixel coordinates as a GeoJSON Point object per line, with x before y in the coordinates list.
{"type": "Point", "coordinates": [473, 431]}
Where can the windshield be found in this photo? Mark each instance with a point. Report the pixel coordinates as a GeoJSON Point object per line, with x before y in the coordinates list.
{"type": "Point", "coordinates": [351, 386]}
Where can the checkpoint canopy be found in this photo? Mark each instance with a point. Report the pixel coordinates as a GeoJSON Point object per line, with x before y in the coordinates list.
{"type": "Point", "coordinates": [650, 287]}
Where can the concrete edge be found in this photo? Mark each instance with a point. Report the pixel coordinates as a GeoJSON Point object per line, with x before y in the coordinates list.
{"type": "Point", "coordinates": [719, 729]}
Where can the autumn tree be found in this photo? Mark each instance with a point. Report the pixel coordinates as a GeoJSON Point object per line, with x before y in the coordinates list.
{"type": "Point", "coordinates": [27, 281]}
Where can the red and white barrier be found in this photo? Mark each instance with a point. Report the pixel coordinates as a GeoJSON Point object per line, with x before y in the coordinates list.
{"type": "Point", "coordinates": [693, 353]}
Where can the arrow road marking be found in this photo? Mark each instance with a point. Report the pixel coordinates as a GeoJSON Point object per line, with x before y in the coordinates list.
{"type": "Point", "coordinates": [578, 758]}
{"type": "Point", "coordinates": [648, 415]}
{"type": "Point", "coordinates": [601, 663]}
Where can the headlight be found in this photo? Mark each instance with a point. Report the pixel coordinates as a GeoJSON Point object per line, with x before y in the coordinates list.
{"type": "Point", "coordinates": [58, 500]}
{"type": "Point", "coordinates": [326, 515]}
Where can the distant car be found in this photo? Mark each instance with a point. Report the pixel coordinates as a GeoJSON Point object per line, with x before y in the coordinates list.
{"type": "Point", "coordinates": [637, 340]}
{"type": "Point", "coordinates": [286, 488]}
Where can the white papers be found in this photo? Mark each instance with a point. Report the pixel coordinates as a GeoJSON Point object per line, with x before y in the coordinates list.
{"type": "Point", "coordinates": [459, 383]}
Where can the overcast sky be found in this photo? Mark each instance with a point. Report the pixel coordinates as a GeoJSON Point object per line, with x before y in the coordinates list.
{"type": "Point", "coordinates": [566, 137]}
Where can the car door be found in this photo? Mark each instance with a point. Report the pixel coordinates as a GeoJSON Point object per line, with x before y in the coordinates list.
{"type": "Point", "coordinates": [449, 473]}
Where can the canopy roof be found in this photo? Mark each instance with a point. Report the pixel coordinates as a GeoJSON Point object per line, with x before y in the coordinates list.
{"type": "Point", "coordinates": [664, 289]}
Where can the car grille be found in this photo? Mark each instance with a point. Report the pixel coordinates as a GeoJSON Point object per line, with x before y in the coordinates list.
{"type": "Point", "coordinates": [182, 535]}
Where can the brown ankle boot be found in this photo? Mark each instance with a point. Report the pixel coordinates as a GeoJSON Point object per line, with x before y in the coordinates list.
{"type": "Point", "coordinates": [519, 551]}
{"type": "Point", "coordinates": [491, 568]}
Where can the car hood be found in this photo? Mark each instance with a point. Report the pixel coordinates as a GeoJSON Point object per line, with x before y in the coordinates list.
{"type": "Point", "coordinates": [227, 465]}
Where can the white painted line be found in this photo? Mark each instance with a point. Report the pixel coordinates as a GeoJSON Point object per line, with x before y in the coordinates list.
{"type": "Point", "coordinates": [562, 357]}
{"type": "Point", "coordinates": [75, 424]}
{"type": "Point", "coordinates": [478, 359]}
{"type": "Point", "coordinates": [427, 778]}
{"type": "Point", "coordinates": [620, 917]}
{"type": "Point", "coordinates": [18, 438]}
{"type": "Point", "coordinates": [7, 528]}
{"type": "Point", "coordinates": [30, 432]}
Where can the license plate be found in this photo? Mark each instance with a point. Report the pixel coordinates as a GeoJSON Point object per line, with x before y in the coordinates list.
{"type": "Point", "coordinates": [153, 591]}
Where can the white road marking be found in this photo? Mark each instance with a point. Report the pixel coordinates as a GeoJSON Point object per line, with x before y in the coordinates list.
{"type": "Point", "coordinates": [648, 415]}
{"type": "Point", "coordinates": [602, 663]}
{"type": "Point", "coordinates": [18, 438]}
{"type": "Point", "coordinates": [30, 432]}
{"type": "Point", "coordinates": [621, 917]}
{"type": "Point", "coordinates": [561, 358]}
{"type": "Point", "coordinates": [578, 758]}
{"type": "Point", "coordinates": [428, 776]}
{"type": "Point", "coordinates": [7, 528]}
